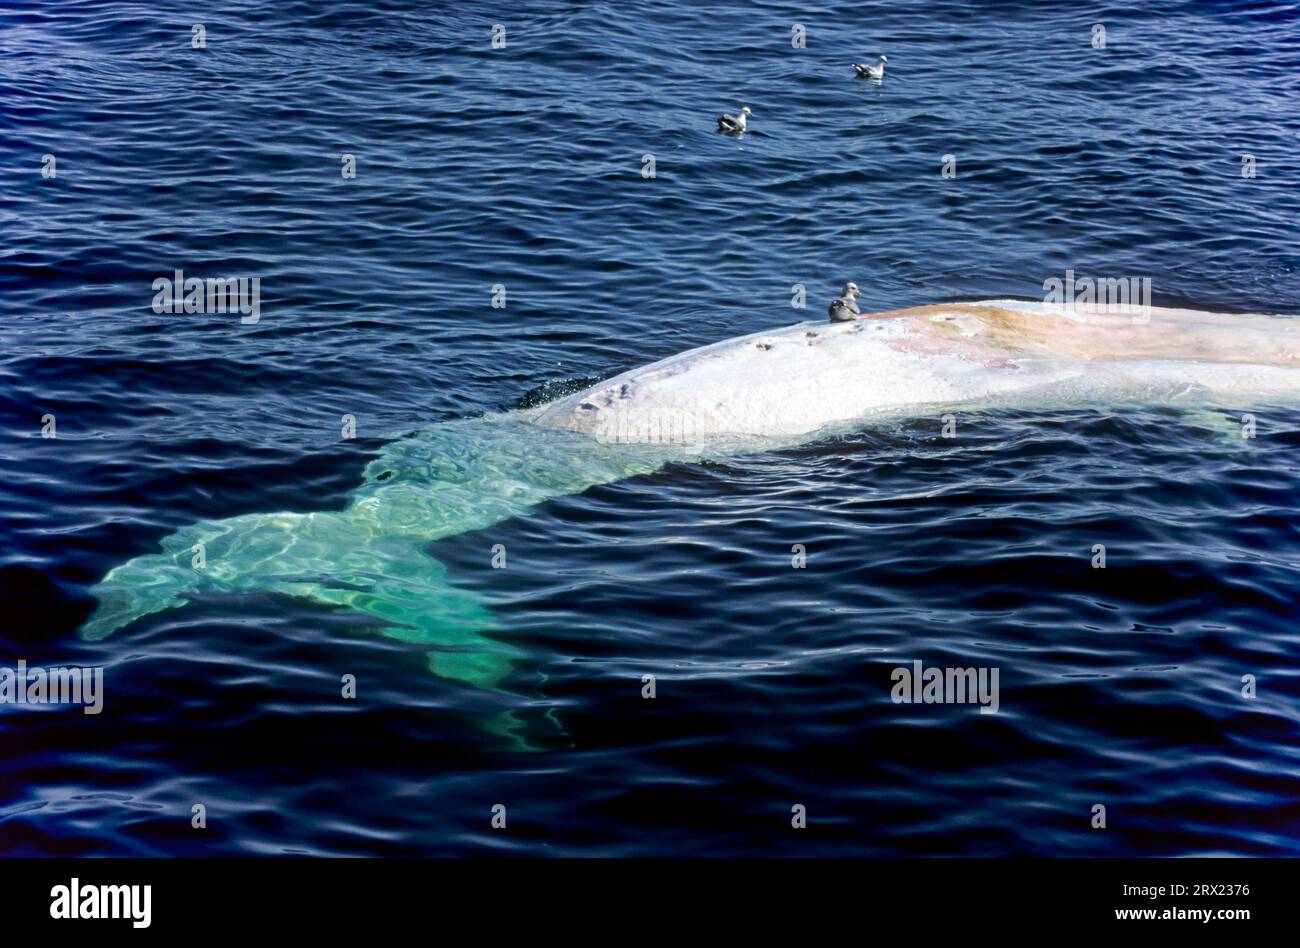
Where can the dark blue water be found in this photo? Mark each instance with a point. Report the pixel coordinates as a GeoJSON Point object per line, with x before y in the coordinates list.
{"type": "Point", "coordinates": [522, 167]}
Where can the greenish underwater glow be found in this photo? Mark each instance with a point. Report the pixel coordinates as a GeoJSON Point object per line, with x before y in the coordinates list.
{"type": "Point", "coordinates": [371, 558]}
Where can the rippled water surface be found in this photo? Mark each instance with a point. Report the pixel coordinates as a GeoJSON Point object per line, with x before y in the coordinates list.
{"type": "Point", "coordinates": [523, 167]}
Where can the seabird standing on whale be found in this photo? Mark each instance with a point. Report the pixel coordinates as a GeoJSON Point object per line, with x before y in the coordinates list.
{"type": "Point", "coordinates": [871, 72]}
{"type": "Point", "coordinates": [845, 309]}
{"type": "Point", "coordinates": [733, 124]}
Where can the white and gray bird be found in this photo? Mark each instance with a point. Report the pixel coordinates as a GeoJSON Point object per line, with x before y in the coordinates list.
{"type": "Point", "coordinates": [734, 123]}
{"type": "Point", "coordinates": [866, 71]}
{"type": "Point", "coordinates": [845, 309]}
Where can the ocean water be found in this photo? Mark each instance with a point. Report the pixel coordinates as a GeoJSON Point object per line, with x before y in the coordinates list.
{"type": "Point", "coordinates": [523, 167]}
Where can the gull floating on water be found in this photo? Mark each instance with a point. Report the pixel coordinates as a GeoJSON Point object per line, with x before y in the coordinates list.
{"type": "Point", "coordinates": [845, 309]}
{"type": "Point", "coordinates": [871, 72]}
{"type": "Point", "coordinates": [734, 123]}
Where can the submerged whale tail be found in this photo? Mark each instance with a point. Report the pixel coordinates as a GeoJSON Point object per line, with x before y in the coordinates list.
{"type": "Point", "coordinates": [323, 557]}
{"type": "Point", "coordinates": [371, 559]}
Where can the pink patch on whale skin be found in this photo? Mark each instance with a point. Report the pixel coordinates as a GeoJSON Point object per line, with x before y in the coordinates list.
{"type": "Point", "coordinates": [926, 344]}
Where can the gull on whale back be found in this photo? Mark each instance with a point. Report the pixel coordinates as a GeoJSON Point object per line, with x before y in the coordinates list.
{"type": "Point", "coordinates": [758, 392]}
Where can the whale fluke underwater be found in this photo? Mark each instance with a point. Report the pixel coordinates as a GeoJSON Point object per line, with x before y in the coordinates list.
{"type": "Point", "coordinates": [758, 392]}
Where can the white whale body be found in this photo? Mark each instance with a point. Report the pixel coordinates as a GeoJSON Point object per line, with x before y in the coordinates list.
{"type": "Point", "coordinates": [803, 378]}
{"type": "Point", "coordinates": [760, 391]}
